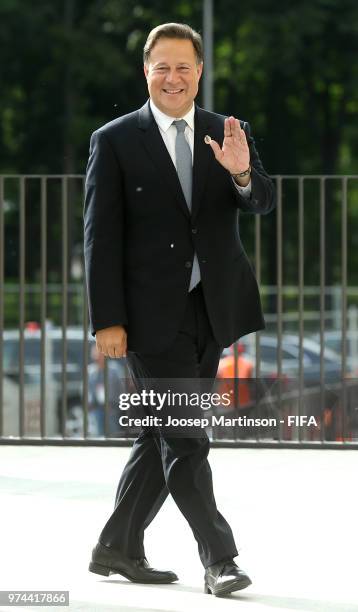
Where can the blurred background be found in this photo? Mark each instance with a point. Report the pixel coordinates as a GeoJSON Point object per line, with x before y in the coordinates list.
{"type": "Point", "coordinates": [290, 70]}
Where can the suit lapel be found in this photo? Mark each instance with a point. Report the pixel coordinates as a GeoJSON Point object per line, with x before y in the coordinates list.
{"type": "Point", "coordinates": [154, 144]}
{"type": "Point", "coordinates": [203, 156]}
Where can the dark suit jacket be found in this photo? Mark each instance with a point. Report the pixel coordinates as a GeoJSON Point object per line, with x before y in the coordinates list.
{"type": "Point", "coordinates": [139, 237]}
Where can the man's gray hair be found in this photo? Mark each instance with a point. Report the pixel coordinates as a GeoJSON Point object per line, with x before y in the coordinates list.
{"type": "Point", "coordinates": [174, 30]}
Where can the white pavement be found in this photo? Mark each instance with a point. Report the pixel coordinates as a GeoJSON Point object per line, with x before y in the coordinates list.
{"type": "Point", "coordinates": [293, 512]}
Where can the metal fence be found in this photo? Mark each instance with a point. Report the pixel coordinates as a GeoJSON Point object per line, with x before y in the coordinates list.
{"type": "Point", "coordinates": [46, 350]}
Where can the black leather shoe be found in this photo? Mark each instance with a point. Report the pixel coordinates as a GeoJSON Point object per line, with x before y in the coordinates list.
{"type": "Point", "coordinates": [106, 561]}
{"type": "Point", "coordinates": [224, 577]}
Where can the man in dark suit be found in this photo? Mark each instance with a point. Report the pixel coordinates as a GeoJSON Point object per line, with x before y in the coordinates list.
{"type": "Point", "coordinates": [169, 286]}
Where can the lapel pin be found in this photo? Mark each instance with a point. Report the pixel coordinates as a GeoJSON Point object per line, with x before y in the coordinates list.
{"type": "Point", "coordinates": [207, 139]}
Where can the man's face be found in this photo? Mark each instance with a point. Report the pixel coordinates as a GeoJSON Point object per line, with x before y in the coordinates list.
{"type": "Point", "coordinates": [173, 75]}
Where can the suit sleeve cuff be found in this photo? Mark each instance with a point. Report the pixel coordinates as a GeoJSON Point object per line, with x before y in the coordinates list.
{"type": "Point", "coordinates": [244, 191]}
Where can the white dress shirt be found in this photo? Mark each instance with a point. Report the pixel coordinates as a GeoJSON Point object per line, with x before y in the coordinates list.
{"type": "Point", "coordinates": [168, 132]}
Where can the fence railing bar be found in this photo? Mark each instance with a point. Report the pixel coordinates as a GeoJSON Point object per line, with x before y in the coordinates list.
{"type": "Point", "coordinates": [2, 278]}
{"type": "Point", "coordinates": [300, 293]}
{"type": "Point", "coordinates": [40, 176]}
{"type": "Point", "coordinates": [279, 286]}
{"type": "Point", "coordinates": [322, 216]}
{"type": "Point", "coordinates": [85, 348]}
{"type": "Point", "coordinates": [106, 398]}
{"type": "Point", "coordinates": [22, 256]}
{"type": "Point", "coordinates": [314, 176]}
{"type": "Point", "coordinates": [344, 305]}
{"type": "Point", "coordinates": [45, 375]}
{"type": "Point", "coordinates": [272, 176]}
{"type": "Point", "coordinates": [225, 443]}
{"type": "Point", "coordinates": [258, 276]}
{"type": "Point", "coordinates": [64, 206]}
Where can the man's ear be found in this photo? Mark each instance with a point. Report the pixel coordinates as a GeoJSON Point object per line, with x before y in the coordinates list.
{"type": "Point", "coordinates": [145, 69]}
{"type": "Point", "coordinates": [200, 69]}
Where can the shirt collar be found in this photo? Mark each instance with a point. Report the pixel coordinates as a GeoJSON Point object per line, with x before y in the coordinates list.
{"type": "Point", "coordinates": [165, 121]}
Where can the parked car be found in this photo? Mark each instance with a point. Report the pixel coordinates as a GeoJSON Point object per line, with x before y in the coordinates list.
{"type": "Point", "coordinates": [53, 370]}
{"type": "Point", "coordinates": [328, 410]}
{"type": "Point", "coordinates": [32, 407]}
{"type": "Point", "coordinates": [291, 358]}
{"type": "Point", "coordinates": [333, 341]}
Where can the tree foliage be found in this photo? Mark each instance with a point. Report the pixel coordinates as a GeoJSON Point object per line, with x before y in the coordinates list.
{"type": "Point", "coordinates": [69, 65]}
{"type": "Point", "coordinates": [290, 69]}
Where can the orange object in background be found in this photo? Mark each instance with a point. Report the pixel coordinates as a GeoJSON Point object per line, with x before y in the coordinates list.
{"type": "Point", "coordinates": [245, 369]}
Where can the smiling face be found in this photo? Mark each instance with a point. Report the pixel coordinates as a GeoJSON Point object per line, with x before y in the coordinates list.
{"type": "Point", "coordinates": [173, 74]}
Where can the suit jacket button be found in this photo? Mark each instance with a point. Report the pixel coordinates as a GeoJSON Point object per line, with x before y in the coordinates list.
{"type": "Point", "coordinates": [194, 230]}
{"type": "Point", "coordinates": [188, 264]}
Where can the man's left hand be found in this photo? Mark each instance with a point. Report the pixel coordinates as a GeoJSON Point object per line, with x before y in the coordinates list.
{"type": "Point", "coordinates": [234, 154]}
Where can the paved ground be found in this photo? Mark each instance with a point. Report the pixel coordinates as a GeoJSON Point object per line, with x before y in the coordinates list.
{"type": "Point", "coordinates": [294, 513]}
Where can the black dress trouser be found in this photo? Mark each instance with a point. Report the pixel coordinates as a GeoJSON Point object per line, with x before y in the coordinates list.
{"type": "Point", "coordinates": [159, 465]}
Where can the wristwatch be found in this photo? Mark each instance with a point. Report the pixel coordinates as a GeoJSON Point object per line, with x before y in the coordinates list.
{"type": "Point", "coordinates": [241, 174]}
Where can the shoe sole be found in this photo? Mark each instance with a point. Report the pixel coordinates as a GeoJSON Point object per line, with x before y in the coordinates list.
{"type": "Point", "coordinates": [230, 588]}
{"type": "Point", "coordinates": [104, 570]}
